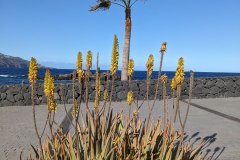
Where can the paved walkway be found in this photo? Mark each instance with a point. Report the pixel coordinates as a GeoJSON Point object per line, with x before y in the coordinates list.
{"type": "Point", "coordinates": [17, 132]}
{"type": "Point", "coordinates": [213, 119]}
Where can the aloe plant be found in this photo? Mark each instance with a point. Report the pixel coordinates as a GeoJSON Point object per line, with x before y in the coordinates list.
{"type": "Point", "coordinates": [111, 137]}
{"type": "Point", "coordinates": [108, 136]}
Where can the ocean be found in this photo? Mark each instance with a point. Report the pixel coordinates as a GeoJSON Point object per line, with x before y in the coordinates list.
{"type": "Point", "coordinates": [17, 76]}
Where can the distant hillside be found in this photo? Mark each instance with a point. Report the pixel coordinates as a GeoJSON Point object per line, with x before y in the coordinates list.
{"type": "Point", "coordinates": [7, 61]}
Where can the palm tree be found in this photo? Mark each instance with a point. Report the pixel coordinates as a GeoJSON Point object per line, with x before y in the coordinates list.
{"type": "Point", "coordinates": [127, 5]}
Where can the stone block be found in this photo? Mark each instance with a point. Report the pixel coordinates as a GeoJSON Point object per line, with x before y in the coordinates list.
{"type": "Point", "coordinates": [27, 101]}
{"type": "Point", "coordinates": [37, 101]}
{"type": "Point", "coordinates": [3, 89]}
{"type": "Point", "coordinates": [18, 97]}
{"type": "Point", "coordinates": [20, 103]}
{"type": "Point", "coordinates": [13, 91]}
{"type": "Point", "coordinates": [26, 95]}
{"type": "Point", "coordinates": [40, 91]}
{"type": "Point", "coordinates": [6, 103]}
{"type": "Point", "coordinates": [214, 90]}
{"type": "Point", "coordinates": [229, 94]}
{"type": "Point", "coordinates": [3, 96]}
{"type": "Point", "coordinates": [10, 98]}
{"type": "Point", "coordinates": [44, 100]}
{"type": "Point", "coordinates": [122, 95]}
{"type": "Point", "coordinates": [205, 91]}
{"type": "Point", "coordinates": [210, 84]}
{"type": "Point", "coordinates": [198, 89]}
{"type": "Point", "coordinates": [220, 83]}
{"type": "Point", "coordinates": [56, 96]}
{"type": "Point", "coordinates": [237, 82]}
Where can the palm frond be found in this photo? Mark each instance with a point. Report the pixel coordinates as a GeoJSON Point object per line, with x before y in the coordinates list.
{"type": "Point", "coordinates": [101, 5]}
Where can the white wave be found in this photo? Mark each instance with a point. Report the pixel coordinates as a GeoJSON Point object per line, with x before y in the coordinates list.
{"type": "Point", "coordinates": [5, 76]}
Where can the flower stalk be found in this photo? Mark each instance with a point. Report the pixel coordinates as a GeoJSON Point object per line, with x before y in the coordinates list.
{"type": "Point", "coordinates": [190, 96]}
{"type": "Point", "coordinates": [149, 66]}
{"type": "Point", "coordinates": [32, 76]}
{"type": "Point", "coordinates": [164, 82]}
{"type": "Point", "coordinates": [97, 88]}
{"type": "Point", "coordinates": [129, 101]}
{"type": "Point", "coordinates": [179, 77]}
{"type": "Point", "coordinates": [88, 66]}
{"type": "Point", "coordinates": [130, 69]}
{"type": "Point", "coordinates": [114, 65]}
{"type": "Point", "coordinates": [162, 51]}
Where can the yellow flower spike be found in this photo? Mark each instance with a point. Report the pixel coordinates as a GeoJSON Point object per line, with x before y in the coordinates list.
{"type": "Point", "coordinates": [75, 109]}
{"type": "Point", "coordinates": [105, 95]}
{"type": "Point", "coordinates": [180, 61]}
{"type": "Point", "coordinates": [130, 67]}
{"type": "Point", "coordinates": [50, 87]}
{"type": "Point", "coordinates": [115, 55]}
{"type": "Point", "coordinates": [96, 104]}
{"type": "Point", "coordinates": [33, 71]}
{"type": "Point", "coordinates": [89, 60]}
{"type": "Point", "coordinates": [52, 105]}
{"type": "Point", "coordinates": [149, 65]}
{"type": "Point", "coordinates": [180, 72]}
{"type": "Point", "coordinates": [49, 91]}
{"type": "Point", "coordinates": [81, 74]}
{"type": "Point", "coordinates": [79, 61]}
{"type": "Point", "coordinates": [135, 112]}
{"type": "Point", "coordinates": [164, 79]}
{"type": "Point", "coordinates": [163, 47]}
{"type": "Point", "coordinates": [130, 97]}
{"type": "Point", "coordinates": [174, 83]}
{"type": "Point", "coordinates": [46, 82]}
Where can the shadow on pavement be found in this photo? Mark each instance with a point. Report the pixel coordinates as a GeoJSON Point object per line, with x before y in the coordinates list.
{"type": "Point", "coordinates": [208, 154]}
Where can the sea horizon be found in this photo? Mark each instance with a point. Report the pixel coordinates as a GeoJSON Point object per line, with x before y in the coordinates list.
{"type": "Point", "coordinates": [17, 76]}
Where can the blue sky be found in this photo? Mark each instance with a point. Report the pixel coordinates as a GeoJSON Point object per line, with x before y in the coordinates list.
{"type": "Point", "coordinates": [205, 32]}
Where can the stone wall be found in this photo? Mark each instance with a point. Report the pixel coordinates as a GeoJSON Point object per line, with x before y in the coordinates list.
{"type": "Point", "coordinates": [203, 88]}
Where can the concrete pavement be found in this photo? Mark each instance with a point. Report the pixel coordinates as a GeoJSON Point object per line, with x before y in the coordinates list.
{"type": "Point", "coordinates": [17, 132]}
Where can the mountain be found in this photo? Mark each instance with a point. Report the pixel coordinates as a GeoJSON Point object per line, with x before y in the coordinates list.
{"type": "Point", "coordinates": [7, 61]}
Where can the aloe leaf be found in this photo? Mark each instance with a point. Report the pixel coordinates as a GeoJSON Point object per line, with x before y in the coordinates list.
{"type": "Point", "coordinates": [196, 151]}
{"type": "Point", "coordinates": [35, 151]}
{"type": "Point", "coordinates": [141, 131]}
{"type": "Point", "coordinates": [71, 149]}
{"type": "Point", "coordinates": [180, 156]}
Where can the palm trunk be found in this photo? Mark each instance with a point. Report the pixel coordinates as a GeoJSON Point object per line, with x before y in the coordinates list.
{"type": "Point", "coordinates": [126, 47]}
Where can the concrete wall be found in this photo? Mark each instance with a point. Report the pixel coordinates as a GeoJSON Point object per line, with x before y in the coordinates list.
{"type": "Point", "coordinates": [203, 88]}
